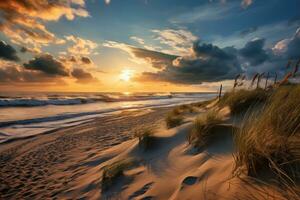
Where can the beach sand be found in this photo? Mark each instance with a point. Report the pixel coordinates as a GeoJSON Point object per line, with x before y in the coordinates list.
{"type": "Point", "coordinates": [69, 164]}
{"type": "Point", "coordinates": [47, 165]}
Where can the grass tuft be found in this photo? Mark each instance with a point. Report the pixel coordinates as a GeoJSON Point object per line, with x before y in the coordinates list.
{"type": "Point", "coordinates": [202, 130]}
{"type": "Point", "coordinates": [146, 137]}
{"type": "Point", "coordinates": [241, 100]}
{"type": "Point", "coordinates": [269, 140]}
{"type": "Point", "coordinates": [112, 172]}
{"type": "Point", "coordinates": [173, 120]}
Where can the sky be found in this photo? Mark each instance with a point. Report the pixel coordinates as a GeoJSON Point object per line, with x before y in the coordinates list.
{"type": "Point", "coordinates": [143, 45]}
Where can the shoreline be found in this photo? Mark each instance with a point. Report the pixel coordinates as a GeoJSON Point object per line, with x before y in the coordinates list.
{"type": "Point", "coordinates": [24, 122]}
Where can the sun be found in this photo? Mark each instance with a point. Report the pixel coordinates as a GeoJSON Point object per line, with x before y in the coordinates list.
{"type": "Point", "coordinates": [126, 75]}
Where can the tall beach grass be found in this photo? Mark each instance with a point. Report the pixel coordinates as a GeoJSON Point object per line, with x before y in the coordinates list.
{"type": "Point", "coordinates": [269, 139]}
{"type": "Point", "coordinates": [240, 101]}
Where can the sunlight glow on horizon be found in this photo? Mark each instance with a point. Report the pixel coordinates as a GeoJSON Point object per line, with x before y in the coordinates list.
{"type": "Point", "coordinates": [126, 75]}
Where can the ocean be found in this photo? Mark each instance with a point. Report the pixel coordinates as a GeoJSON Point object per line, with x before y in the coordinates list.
{"type": "Point", "coordinates": [27, 114]}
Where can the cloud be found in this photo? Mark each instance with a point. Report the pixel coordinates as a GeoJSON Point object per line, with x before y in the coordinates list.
{"type": "Point", "coordinates": [157, 59]}
{"type": "Point", "coordinates": [273, 32]}
{"type": "Point", "coordinates": [293, 46]}
{"type": "Point", "coordinates": [209, 51]}
{"type": "Point", "coordinates": [209, 63]}
{"type": "Point", "coordinates": [86, 60]}
{"type": "Point", "coordinates": [179, 40]}
{"type": "Point", "coordinates": [254, 53]}
{"type": "Point", "coordinates": [24, 21]}
{"type": "Point", "coordinates": [107, 1]}
{"type": "Point", "coordinates": [289, 47]}
{"type": "Point", "coordinates": [173, 41]}
{"type": "Point", "coordinates": [142, 42]}
{"type": "Point", "coordinates": [206, 63]}
{"type": "Point", "coordinates": [44, 70]}
{"type": "Point", "coordinates": [80, 46]}
{"type": "Point", "coordinates": [138, 40]}
{"type": "Point", "coordinates": [7, 52]}
{"type": "Point", "coordinates": [246, 3]}
{"type": "Point", "coordinates": [248, 31]}
{"type": "Point", "coordinates": [82, 76]}
{"type": "Point", "coordinates": [13, 73]}
{"type": "Point", "coordinates": [47, 64]}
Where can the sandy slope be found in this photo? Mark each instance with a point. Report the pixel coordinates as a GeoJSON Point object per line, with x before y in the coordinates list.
{"type": "Point", "coordinates": [69, 164]}
{"type": "Point", "coordinates": [46, 166]}
{"type": "Point", "coordinates": [170, 171]}
{"type": "Point", "coordinates": [173, 170]}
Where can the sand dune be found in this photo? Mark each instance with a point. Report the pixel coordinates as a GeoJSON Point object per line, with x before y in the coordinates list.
{"type": "Point", "coordinates": [70, 163]}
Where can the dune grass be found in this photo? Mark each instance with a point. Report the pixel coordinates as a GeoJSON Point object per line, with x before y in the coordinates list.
{"type": "Point", "coordinates": [241, 100]}
{"type": "Point", "coordinates": [269, 140]}
{"type": "Point", "coordinates": [112, 172]}
{"type": "Point", "coordinates": [202, 130]}
{"type": "Point", "coordinates": [174, 118]}
{"type": "Point", "coordinates": [146, 137]}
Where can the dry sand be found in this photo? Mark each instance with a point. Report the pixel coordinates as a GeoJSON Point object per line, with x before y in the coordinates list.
{"type": "Point", "coordinates": [68, 164]}
{"type": "Point", "coordinates": [46, 166]}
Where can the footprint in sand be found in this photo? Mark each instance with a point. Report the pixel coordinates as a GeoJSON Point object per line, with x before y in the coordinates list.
{"type": "Point", "coordinates": [190, 180]}
{"type": "Point", "coordinates": [141, 191]}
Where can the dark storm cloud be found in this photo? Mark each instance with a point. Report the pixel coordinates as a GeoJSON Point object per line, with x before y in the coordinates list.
{"type": "Point", "coordinates": [15, 74]}
{"type": "Point", "coordinates": [47, 64]}
{"type": "Point", "coordinates": [7, 52]}
{"type": "Point", "coordinates": [293, 48]}
{"type": "Point", "coordinates": [248, 31]}
{"type": "Point", "coordinates": [254, 53]}
{"type": "Point", "coordinates": [211, 51]}
{"type": "Point", "coordinates": [209, 64]}
{"type": "Point", "coordinates": [83, 76]}
{"type": "Point", "coordinates": [86, 60]}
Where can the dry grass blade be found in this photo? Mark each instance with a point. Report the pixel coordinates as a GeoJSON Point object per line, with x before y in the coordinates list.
{"type": "Point", "coordinates": [254, 78]}
{"type": "Point", "coordinates": [285, 80]}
